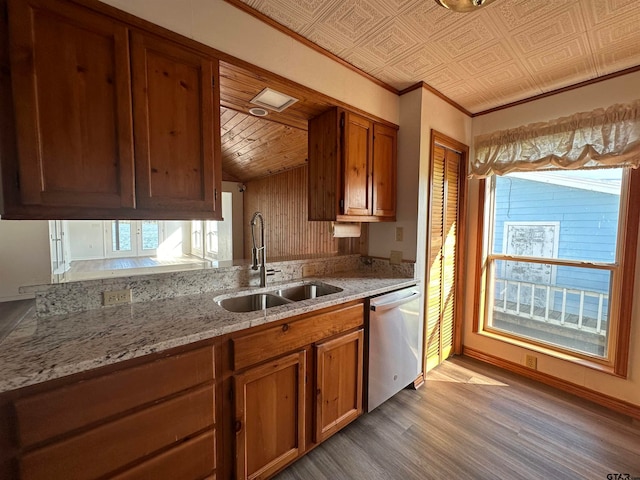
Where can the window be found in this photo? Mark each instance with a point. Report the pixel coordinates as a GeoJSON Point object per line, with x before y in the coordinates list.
{"type": "Point", "coordinates": [214, 239]}
{"type": "Point", "coordinates": [559, 247]}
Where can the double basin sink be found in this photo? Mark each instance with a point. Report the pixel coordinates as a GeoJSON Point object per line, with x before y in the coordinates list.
{"type": "Point", "coordinates": [252, 302]}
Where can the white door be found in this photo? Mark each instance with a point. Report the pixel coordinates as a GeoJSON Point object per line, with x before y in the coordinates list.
{"type": "Point", "coordinates": [132, 238]}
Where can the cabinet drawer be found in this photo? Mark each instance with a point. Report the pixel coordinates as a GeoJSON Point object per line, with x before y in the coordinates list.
{"type": "Point", "coordinates": [191, 460]}
{"type": "Point", "coordinates": [65, 409]}
{"type": "Point", "coordinates": [97, 452]}
{"type": "Point", "coordinates": [274, 341]}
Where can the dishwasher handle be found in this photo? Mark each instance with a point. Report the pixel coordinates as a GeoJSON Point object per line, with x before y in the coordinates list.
{"type": "Point", "coordinates": [381, 307]}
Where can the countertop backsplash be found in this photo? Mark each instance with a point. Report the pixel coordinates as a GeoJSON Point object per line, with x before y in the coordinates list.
{"type": "Point", "coordinates": [65, 298]}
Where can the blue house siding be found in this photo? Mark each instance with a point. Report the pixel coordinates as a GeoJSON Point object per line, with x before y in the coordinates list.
{"type": "Point", "coordinates": [587, 232]}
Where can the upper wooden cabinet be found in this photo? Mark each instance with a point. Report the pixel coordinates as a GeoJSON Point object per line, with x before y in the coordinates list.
{"type": "Point", "coordinates": [352, 168]}
{"type": "Point", "coordinates": [82, 83]}
{"type": "Point", "coordinates": [176, 122]}
{"type": "Point", "coordinates": [72, 101]}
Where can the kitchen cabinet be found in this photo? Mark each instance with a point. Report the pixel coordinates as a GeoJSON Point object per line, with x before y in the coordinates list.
{"type": "Point", "coordinates": [276, 370]}
{"type": "Point", "coordinates": [109, 121]}
{"type": "Point", "coordinates": [352, 168]}
{"type": "Point", "coordinates": [339, 372]}
{"type": "Point", "coordinates": [72, 101]}
{"type": "Point", "coordinates": [177, 123]}
{"type": "Point", "coordinates": [138, 422]}
{"type": "Point", "coordinates": [269, 405]}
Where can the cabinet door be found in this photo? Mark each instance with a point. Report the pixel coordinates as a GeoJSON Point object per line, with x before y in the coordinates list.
{"type": "Point", "coordinates": [358, 140]}
{"type": "Point", "coordinates": [339, 365]}
{"type": "Point", "coordinates": [384, 171]}
{"type": "Point", "coordinates": [269, 402]}
{"type": "Point", "coordinates": [71, 85]}
{"type": "Point", "coordinates": [177, 128]}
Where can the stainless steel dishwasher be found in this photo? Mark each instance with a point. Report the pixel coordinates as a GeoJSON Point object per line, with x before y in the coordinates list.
{"type": "Point", "coordinates": [395, 343]}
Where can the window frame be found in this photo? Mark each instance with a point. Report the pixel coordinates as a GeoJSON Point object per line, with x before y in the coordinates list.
{"type": "Point", "coordinates": [621, 293]}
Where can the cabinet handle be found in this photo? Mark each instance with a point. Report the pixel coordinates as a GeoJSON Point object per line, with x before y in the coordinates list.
{"type": "Point", "coordinates": [285, 327]}
{"type": "Point", "coordinates": [238, 426]}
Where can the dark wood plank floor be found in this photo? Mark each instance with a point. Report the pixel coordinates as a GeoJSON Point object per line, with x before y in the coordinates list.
{"type": "Point", "coordinates": [474, 421]}
{"type": "Point", "coordinates": [12, 313]}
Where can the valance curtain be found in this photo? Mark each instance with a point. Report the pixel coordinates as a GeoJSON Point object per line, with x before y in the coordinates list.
{"type": "Point", "coordinates": [600, 138]}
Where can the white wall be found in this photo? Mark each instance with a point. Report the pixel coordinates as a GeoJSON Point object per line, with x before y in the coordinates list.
{"type": "Point", "coordinates": [603, 94]}
{"type": "Point", "coordinates": [24, 256]}
{"type": "Point", "coordinates": [85, 239]}
{"type": "Point", "coordinates": [382, 238]}
{"type": "Point", "coordinates": [222, 26]}
{"type": "Point", "coordinates": [420, 111]}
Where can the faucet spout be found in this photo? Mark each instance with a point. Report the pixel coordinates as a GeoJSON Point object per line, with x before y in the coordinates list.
{"type": "Point", "coordinates": [261, 251]}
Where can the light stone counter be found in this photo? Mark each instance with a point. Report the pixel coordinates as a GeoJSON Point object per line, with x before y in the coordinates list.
{"type": "Point", "coordinates": [42, 349]}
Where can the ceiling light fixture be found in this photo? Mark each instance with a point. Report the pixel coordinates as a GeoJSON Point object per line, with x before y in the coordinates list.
{"type": "Point", "coordinates": [258, 112]}
{"type": "Point", "coordinates": [463, 6]}
{"type": "Point", "coordinates": [273, 100]}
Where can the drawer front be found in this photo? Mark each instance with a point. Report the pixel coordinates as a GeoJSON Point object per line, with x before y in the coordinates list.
{"type": "Point", "coordinates": [65, 409]}
{"type": "Point", "coordinates": [269, 343]}
{"type": "Point", "coordinates": [104, 449]}
{"type": "Point", "coordinates": [191, 460]}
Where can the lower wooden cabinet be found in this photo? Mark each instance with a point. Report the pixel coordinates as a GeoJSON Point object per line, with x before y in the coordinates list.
{"type": "Point", "coordinates": [268, 396]}
{"type": "Point", "coordinates": [154, 420]}
{"type": "Point", "coordinates": [270, 404]}
{"type": "Point", "coordinates": [286, 405]}
{"type": "Point", "coordinates": [339, 368]}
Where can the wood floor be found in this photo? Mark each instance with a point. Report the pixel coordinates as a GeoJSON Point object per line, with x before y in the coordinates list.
{"type": "Point", "coordinates": [474, 421]}
{"type": "Point", "coordinates": [117, 267]}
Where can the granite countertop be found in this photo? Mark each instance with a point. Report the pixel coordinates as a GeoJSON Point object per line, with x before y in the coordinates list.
{"type": "Point", "coordinates": [42, 349]}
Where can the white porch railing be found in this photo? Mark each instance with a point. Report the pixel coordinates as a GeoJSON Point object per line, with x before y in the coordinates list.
{"type": "Point", "coordinates": [538, 302]}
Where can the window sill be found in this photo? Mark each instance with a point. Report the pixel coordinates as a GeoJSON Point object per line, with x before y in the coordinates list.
{"type": "Point", "coordinates": [600, 365]}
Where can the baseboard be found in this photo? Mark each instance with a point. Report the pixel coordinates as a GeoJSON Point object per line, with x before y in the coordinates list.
{"type": "Point", "coordinates": [607, 401]}
{"type": "Point", "coordinates": [419, 381]}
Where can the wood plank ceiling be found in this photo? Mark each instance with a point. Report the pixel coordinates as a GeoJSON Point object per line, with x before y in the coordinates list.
{"type": "Point", "coordinates": [255, 147]}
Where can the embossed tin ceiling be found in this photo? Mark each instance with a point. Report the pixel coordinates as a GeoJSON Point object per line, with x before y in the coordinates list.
{"type": "Point", "coordinates": [508, 51]}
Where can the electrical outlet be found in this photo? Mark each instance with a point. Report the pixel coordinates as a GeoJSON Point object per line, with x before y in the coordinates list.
{"type": "Point", "coordinates": [399, 234]}
{"type": "Point", "coordinates": [531, 362]}
{"type": "Point", "coordinates": [116, 297]}
{"type": "Point", "coordinates": [309, 270]}
{"type": "Point", "coordinates": [396, 257]}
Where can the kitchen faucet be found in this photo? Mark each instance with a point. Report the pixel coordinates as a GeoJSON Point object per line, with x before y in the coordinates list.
{"type": "Point", "coordinates": [262, 250]}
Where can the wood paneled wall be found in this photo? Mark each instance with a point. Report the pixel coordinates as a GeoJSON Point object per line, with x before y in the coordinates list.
{"type": "Point", "coordinates": [282, 200]}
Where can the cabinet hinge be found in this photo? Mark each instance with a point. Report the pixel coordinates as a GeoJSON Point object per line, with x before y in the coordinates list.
{"type": "Point", "coordinates": [342, 204]}
{"type": "Point", "coordinates": [213, 81]}
{"type": "Point", "coordinates": [215, 194]}
{"type": "Point", "coordinates": [342, 122]}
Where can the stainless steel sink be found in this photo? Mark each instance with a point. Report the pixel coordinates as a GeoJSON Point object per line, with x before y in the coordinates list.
{"type": "Point", "coordinates": [307, 291]}
{"type": "Point", "coordinates": [252, 302]}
